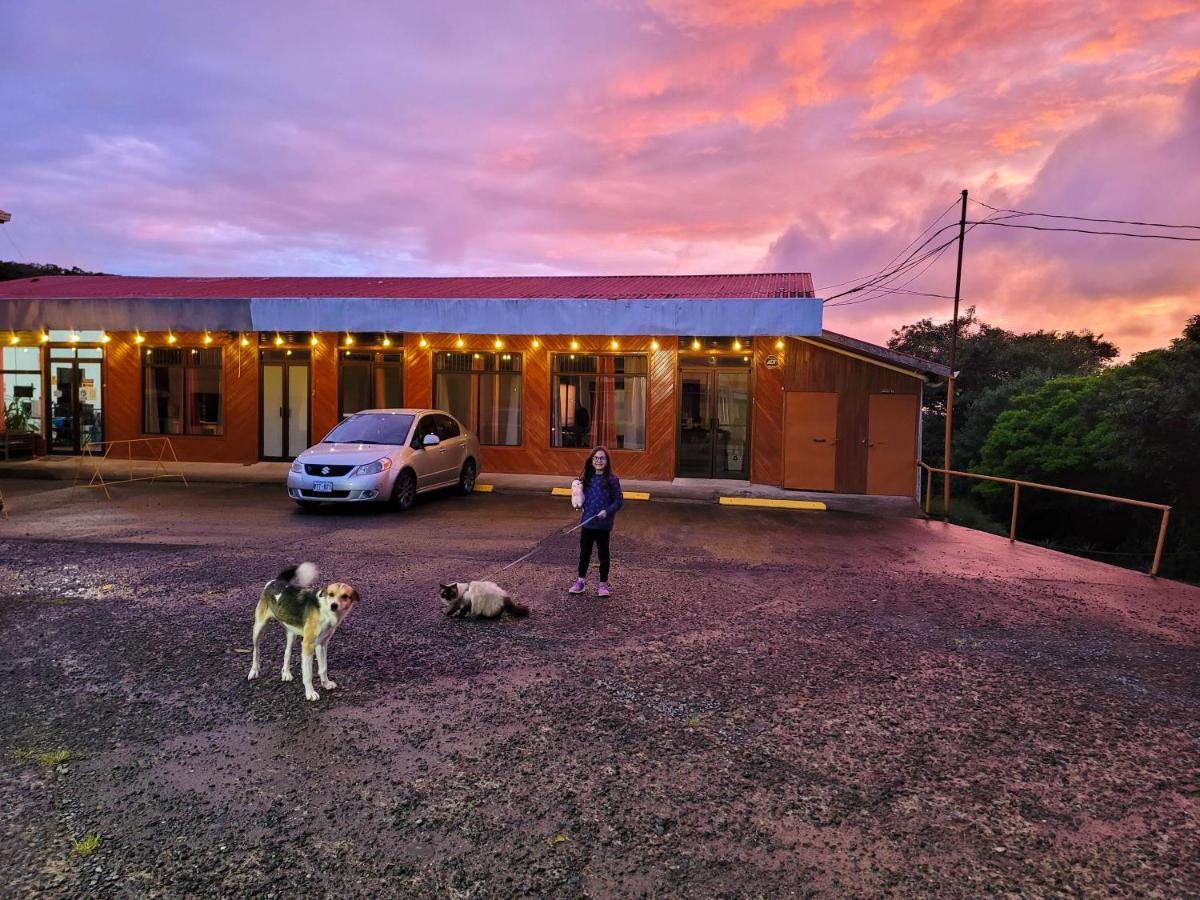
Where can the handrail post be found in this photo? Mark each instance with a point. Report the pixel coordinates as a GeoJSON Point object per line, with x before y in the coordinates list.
{"type": "Point", "coordinates": [1162, 537]}
{"type": "Point", "coordinates": [928, 488]}
{"type": "Point", "coordinates": [1012, 528]}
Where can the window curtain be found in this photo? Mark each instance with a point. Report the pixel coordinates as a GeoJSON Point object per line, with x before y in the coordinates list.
{"type": "Point", "coordinates": [605, 418]}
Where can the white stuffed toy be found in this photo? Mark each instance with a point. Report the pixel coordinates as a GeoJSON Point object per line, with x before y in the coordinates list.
{"type": "Point", "coordinates": [577, 494]}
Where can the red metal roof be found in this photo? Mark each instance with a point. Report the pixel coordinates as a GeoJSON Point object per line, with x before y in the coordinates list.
{"type": "Point", "coordinates": [609, 287]}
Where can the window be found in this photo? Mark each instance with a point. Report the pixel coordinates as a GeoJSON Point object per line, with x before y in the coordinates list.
{"type": "Point", "coordinates": [182, 391]}
{"type": "Point", "coordinates": [598, 400]}
{"type": "Point", "coordinates": [21, 382]}
{"type": "Point", "coordinates": [371, 380]}
{"type": "Point", "coordinates": [483, 391]}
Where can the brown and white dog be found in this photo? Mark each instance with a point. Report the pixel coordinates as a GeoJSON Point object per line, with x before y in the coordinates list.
{"type": "Point", "coordinates": [313, 615]}
{"type": "Point", "coordinates": [481, 599]}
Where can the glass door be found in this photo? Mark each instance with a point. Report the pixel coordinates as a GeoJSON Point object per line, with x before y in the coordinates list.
{"type": "Point", "coordinates": [75, 392]}
{"type": "Point", "coordinates": [285, 403]}
{"type": "Point", "coordinates": [714, 423]}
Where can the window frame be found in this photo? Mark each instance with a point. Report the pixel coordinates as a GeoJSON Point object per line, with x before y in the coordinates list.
{"type": "Point", "coordinates": [185, 407]}
{"type": "Point", "coordinates": [555, 373]}
{"type": "Point", "coordinates": [476, 381]}
{"type": "Point", "coordinates": [370, 365]}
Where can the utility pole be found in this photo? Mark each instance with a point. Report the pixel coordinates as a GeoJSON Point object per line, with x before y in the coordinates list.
{"type": "Point", "coordinates": [962, 233]}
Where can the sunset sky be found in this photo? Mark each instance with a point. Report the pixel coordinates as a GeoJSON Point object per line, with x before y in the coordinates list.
{"type": "Point", "coordinates": [617, 137]}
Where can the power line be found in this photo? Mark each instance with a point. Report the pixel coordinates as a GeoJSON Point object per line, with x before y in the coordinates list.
{"type": "Point", "coordinates": [941, 216]}
{"type": "Point", "coordinates": [1151, 237]}
{"type": "Point", "coordinates": [1020, 212]}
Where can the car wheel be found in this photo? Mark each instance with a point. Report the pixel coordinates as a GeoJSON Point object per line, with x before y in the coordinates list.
{"type": "Point", "coordinates": [404, 492]}
{"type": "Point", "coordinates": [308, 506]}
{"type": "Point", "coordinates": [466, 478]}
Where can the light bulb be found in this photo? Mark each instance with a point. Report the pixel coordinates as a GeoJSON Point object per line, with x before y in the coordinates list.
{"type": "Point", "coordinates": [536, 343]}
{"type": "Point", "coordinates": [105, 337]}
{"type": "Point", "coordinates": [171, 338]}
{"type": "Point", "coordinates": [387, 341]}
{"type": "Point", "coordinates": [14, 340]}
{"type": "Point", "coordinates": [737, 345]}
{"type": "Point", "coordinates": [207, 338]}
{"type": "Point", "coordinates": [139, 338]}
{"type": "Point", "coordinates": [245, 341]}
{"type": "Point", "coordinates": [313, 340]}
{"type": "Point", "coordinates": [349, 339]}
{"type": "Point", "coordinates": [779, 344]}
{"type": "Point", "coordinates": [278, 340]}
{"type": "Point", "coordinates": [654, 345]}
{"type": "Point", "coordinates": [574, 345]}
{"type": "Point", "coordinates": [460, 343]}
{"type": "Point", "coordinates": [422, 342]}
{"type": "Point", "coordinates": [615, 345]}
{"type": "Point", "coordinates": [695, 344]}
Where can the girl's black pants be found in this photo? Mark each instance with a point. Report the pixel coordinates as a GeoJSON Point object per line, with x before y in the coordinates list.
{"type": "Point", "coordinates": [599, 538]}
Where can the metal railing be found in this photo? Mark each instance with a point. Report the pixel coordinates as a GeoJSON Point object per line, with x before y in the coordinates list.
{"type": "Point", "coordinates": [97, 453]}
{"type": "Point", "coordinates": [1018, 484]}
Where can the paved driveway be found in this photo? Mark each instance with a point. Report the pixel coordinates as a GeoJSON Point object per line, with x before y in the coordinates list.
{"type": "Point", "coordinates": [774, 704]}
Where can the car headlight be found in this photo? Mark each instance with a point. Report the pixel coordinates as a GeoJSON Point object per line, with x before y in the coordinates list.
{"type": "Point", "coordinates": [298, 468]}
{"type": "Point", "coordinates": [373, 468]}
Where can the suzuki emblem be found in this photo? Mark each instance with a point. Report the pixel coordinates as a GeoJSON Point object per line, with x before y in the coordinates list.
{"type": "Point", "coordinates": [324, 470]}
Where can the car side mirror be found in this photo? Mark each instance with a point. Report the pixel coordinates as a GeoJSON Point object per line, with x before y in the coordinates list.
{"type": "Point", "coordinates": [431, 440]}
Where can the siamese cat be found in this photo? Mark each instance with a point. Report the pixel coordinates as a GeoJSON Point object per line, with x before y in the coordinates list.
{"type": "Point", "coordinates": [481, 599]}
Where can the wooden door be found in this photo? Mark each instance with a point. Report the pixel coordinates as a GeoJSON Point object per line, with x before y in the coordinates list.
{"type": "Point", "coordinates": [892, 444]}
{"type": "Point", "coordinates": [809, 440]}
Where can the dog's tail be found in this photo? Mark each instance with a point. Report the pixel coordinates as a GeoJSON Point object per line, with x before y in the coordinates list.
{"type": "Point", "coordinates": [516, 608]}
{"type": "Point", "coordinates": [304, 574]}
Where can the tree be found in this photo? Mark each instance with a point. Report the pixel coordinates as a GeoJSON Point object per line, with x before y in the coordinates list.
{"type": "Point", "coordinates": [1129, 430]}
{"type": "Point", "coordinates": [10, 271]}
{"type": "Point", "coordinates": [989, 358]}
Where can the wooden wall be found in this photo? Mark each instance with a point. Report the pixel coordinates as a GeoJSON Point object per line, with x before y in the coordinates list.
{"type": "Point", "coordinates": [809, 367]}
{"type": "Point", "coordinates": [535, 455]}
{"type": "Point", "coordinates": [122, 398]}
{"type": "Point", "coordinates": [801, 366]}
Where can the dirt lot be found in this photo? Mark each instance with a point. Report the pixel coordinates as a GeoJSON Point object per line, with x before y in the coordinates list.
{"type": "Point", "coordinates": [774, 704]}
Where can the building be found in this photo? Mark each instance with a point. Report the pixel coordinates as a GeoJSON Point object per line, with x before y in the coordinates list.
{"type": "Point", "coordinates": [714, 376]}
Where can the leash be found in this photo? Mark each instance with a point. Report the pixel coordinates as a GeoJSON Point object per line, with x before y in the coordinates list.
{"type": "Point", "coordinates": [538, 546]}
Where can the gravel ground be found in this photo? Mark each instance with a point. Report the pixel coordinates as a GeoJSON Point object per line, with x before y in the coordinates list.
{"type": "Point", "coordinates": [774, 704]}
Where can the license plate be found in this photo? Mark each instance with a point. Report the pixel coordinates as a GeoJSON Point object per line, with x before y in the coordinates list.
{"type": "Point", "coordinates": [323, 487]}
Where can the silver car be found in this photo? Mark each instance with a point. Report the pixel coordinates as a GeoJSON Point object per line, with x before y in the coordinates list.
{"type": "Point", "coordinates": [386, 455]}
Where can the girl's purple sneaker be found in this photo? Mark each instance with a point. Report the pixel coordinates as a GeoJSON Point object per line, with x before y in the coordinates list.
{"type": "Point", "coordinates": [577, 587]}
{"type": "Point", "coordinates": [603, 590]}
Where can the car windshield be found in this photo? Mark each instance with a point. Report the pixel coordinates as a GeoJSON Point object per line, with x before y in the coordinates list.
{"type": "Point", "coordinates": [371, 428]}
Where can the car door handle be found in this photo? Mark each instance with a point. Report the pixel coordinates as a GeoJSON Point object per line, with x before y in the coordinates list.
{"type": "Point", "coordinates": [818, 440]}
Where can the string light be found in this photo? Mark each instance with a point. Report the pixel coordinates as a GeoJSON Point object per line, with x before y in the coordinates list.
{"type": "Point", "coordinates": [779, 344]}
{"type": "Point", "coordinates": [387, 341]}
{"type": "Point", "coordinates": [139, 338]}
{"type": "Point", "coordinates": [13, 339]}
{"type": "Point", "coordinates": [314, 340]}
{"type": "Point", "coordinates": [44, 337]}
{"type": "Point", "coordinates": [105, 337]}
{"type": "Point", "coordinates": [278, 339]}
{"type": "Point", "coordinates": [695, 344]}
{"type": "Point", "coordinates": [498, 343]}
{"type": "Point", "coordinates": [74, 338]}
{"type": "Point", "coordinates": [207, 338]}
{"type": "Point", "coordinates": [422, 342]}
{"type": "Point", "coordinates": [245, 341]}
{"type": "Point", "coordinates": [737, 345]}
{"type": "Point", "coordinates": [574, 345]}
{"type": "Point", "coordinates": [171, 339]}
{"type": "Point", "coordinates": [536, 343]}
{"type": "Point", "coordinates": [460, 343]}
{"type": "Point", "coordinates": [614, 344]}
{"type": "Point", "coordinates": [654, 345]}
{"type": "Point", "coordinates": [349, 339]}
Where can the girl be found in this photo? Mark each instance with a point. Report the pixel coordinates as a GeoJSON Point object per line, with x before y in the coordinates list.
{"type": "Point", "coordinates": [601, 499]}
